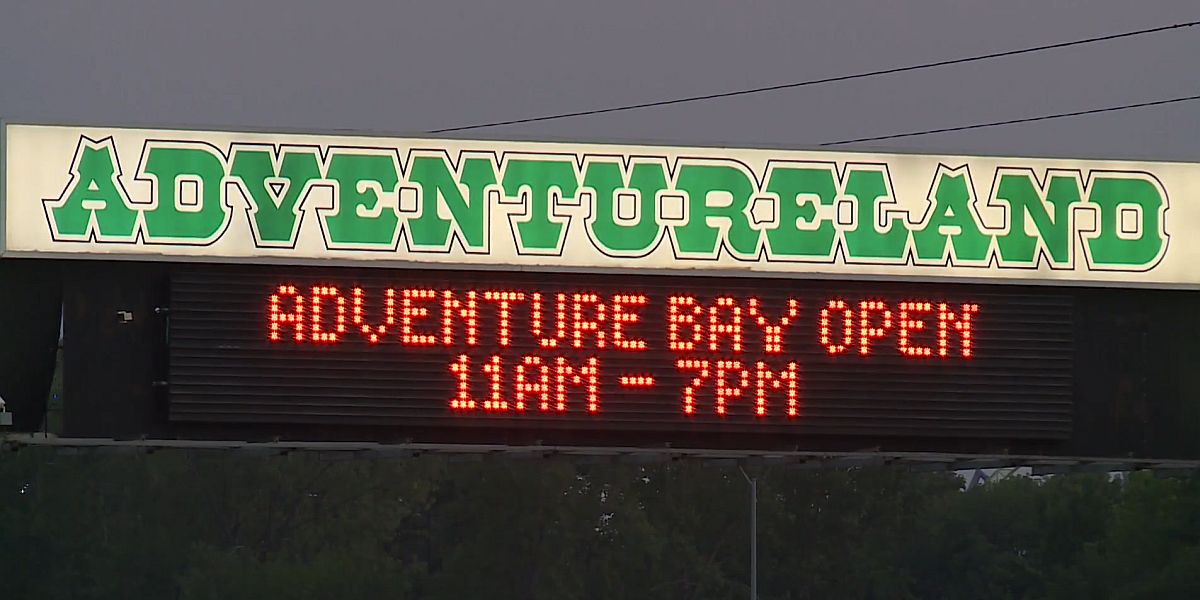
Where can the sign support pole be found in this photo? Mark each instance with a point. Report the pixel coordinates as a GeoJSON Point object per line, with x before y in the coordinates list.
{"type": "Point", "coordinates": [753, 481]}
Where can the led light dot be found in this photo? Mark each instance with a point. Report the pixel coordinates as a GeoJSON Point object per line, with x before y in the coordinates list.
{"type": "Point", "coordinates": [689, 391]}
{"type": "Point", "coordinates": [825, 327]}
{"type": "Point", "coordinates": [909, 323]}
{"type": "Point", "coordinates": [622, 315]}
{"type": "Point", "coordinates": [318, 332]}
{"type": "Point", "coordinates": [773, 332]}
{"type": "Point", "coordinates": [538, 386]}
{"type": "Point", "coordinates": [411, 311]}
{"type": "Point", "coordinates": [586, 376]}
{"type": "Point", "coordinates": [682, 312]}
{"type": "Point", "coordinates": [582, 326]}
{"type": "Point", "coordinates": [277, 317]}
{"type": "Point", "coordinates": [373, 334]}
{"type": "Point", "coordinates": [464, 310]}
{"type": "Point", "coordinates": [494, 371]}
{"type": "Point", "coordinates": [504, 301]}
{"type": "Point", "coordinates": [867, 331]}
{"type": "Point", "coordinates": [460, 369]}
{"type": "Point", "coordinates": [560, 320]}
{"type": "Point", "coordinates": [962, 324]}
{"type": "Point", "coordinates": [638, 381]}
{"type": "Point", "coordinates": [726, 389]}
{"type": "Point", "coordinates": [768, 381]}
{"type": "Point", "coordinates": [731, 327]}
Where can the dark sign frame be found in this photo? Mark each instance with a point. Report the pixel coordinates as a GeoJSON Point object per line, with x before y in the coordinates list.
{"type": "Point", "coordinates": [1132, 383]}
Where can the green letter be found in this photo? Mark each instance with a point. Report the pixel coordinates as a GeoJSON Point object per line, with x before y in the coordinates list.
{"type": "Point", "coordinates": [868, 187]}
{"type": "Point", "coordinates": [1117, 244]}
{"type": "Point", "coordinates": [537, 233]}
{"type": "Point", "coordinates": [95, 190]}
{"type": "Point", "coordinates": [697, 236]}
{"type": "Point", "coordinates": [465, 198]}
{"type": "Point", "coordinates": [605, 178]}
{"type": "Point", "coordinates": [801, 191]}
{"type": "Point", "coordinates": [176, 217]}
{"type": "Point", "coordinates": [360, 219]}
{"type": "Point", "coordinates": [1020, 192]}
{"type": "Point", "coordinates": [950, 206]}
{"type": "Point", "coordinates": [274, 190]}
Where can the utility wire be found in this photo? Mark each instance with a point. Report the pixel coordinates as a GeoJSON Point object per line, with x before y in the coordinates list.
{"type": "Point", "coordinates": [811, 82]}
{"type": "Point", "coordinates": [1077, 113]}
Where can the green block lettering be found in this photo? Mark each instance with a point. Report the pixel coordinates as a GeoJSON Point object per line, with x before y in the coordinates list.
{"type": "Point", "coordinates": [537, 179]}
{"type": "Point", "coordinates": [951, 208]}
{"type": "Point", "coordinates": [626, 239]}
{"type": "Point", "coordinates": [96, 192]}
{"type": "Point", "coordinates": [274, 191]}
{"type": "Point", "coordinates": [698, 236]}
{"type": "Point", "coordinates": [465, 197]}
{"type": "Point", "coordinates": [1020, 192]}
{"type": "Point", "coordinates": [1115, 245]}
{"type": "Point", "coordinates": [180, 216]}
{"type": "Point", "coordinates": [360, 219]}
{"type": "Point", "coordinates": [801, 191]}
{"type": "Point", "coordinates": [868, 189]}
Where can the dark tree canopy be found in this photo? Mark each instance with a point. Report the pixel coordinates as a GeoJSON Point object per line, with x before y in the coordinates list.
{"type": "Point", "coordinates": [198, 525]}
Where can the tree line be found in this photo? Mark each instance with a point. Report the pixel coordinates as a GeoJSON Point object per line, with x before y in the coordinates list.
{"type": "Point", "coordinates": [217, 525]}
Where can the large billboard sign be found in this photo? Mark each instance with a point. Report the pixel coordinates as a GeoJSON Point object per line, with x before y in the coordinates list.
{"type": "Point", "coordinates": [238, 285]}
{"type": "Point", "coordinates": [304, 199]}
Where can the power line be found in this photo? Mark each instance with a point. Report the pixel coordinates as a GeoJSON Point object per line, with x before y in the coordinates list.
{"type": "Point", "coordinates": [811, 82]}
{"type": "Point", "coordinates": [1077, 113]}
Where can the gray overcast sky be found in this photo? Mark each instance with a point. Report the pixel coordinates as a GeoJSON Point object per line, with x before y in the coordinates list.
{"type": "Point", "coordinates": [410, 67]}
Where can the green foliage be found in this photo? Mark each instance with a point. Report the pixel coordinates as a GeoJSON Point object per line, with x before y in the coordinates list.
{"type": "Point", "coordinates": [196, 525]}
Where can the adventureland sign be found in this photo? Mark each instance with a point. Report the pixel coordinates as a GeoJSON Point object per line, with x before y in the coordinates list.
{"type": "Point", "coordinates": [226, 197]}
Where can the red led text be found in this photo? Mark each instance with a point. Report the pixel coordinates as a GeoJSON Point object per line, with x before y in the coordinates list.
{"type": "Point", "coordinates": [515, 350]}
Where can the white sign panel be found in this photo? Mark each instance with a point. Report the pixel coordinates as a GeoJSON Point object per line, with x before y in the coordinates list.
{"type": "Point", "coordinates": [227, 196]}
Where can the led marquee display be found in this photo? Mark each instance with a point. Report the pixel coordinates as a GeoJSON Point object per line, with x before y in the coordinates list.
{"type": "Point", "coordinates": [566, 351]}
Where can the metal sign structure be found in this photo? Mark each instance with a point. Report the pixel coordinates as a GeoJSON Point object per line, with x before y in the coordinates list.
{"type": "Point", "coordinates": [435, 293]}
